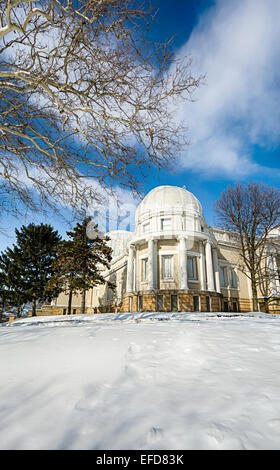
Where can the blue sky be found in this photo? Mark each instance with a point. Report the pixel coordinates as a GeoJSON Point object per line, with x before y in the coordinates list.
{"type": "Point", "coordinates": [234, 124]}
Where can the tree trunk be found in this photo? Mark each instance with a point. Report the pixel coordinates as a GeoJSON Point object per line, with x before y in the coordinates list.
{"type": "Point", "coordinates": [83, 302]}
{"type": "Point", "coordinates": [255, 295]}
{"type": "Point", "coordinates": [33, 307]}
{"type": "Point", "coordinates": [69, 302]}
{"type": "Point", "coordinates": [266, 305]}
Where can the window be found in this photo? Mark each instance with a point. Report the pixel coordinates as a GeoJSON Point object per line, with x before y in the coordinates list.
{"type": "Point", "coordinates": [174, 302]}
{"type": "Point", "coordinates": [64, 311]}
{"type": "Point", "coordinates": [144, 275]}
{"type": "Point", "coordinates": [109, 293]}
{"type": "Point", "coordinates": [140, 303]}
{"type": "Point", "coordinates": [146, 227]}
{"type": "Point", "coordinates": [167, 267]}
{"type": "Point", "coordinates": [223, 276]}
{"type": "Point", "coordinates": [165, 224]}
{"type": "Point", "coordinates": [74, 311]}
{"type": "Point", "coordinates": [192, 268]}
{"type": "Point", "coordinates": [196, 303]}
{"type": "Point", "coordinates": [208, 305]}
{"type": "Point", "coordinates": [233, 279]}
{"type": "Point", "coordinates": [159, 306]}
{"type": "Point", "coordinates": [228, 277]}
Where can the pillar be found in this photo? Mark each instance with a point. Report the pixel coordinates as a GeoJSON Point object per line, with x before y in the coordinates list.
{"type": "Point", "coordinates": [272, 267]}
{"type": "Point", "coordinates": [209, 267]}
{"type": "Point", "coordinates": [129, 274]}
{"type": "Point", "coordinates": [152, 264]}
{"type": "Point", "coordinates": [216, 270]}
{"type": "Point", "coordinates": [183, 279]}
{"type": "Point", "coordinates": [277, 283]}
{"type": "Point", "coordinates": [202, 267]}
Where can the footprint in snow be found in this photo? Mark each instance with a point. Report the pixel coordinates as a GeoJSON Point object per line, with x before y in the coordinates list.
{"type": "Point", "coordinates": [154, 435]}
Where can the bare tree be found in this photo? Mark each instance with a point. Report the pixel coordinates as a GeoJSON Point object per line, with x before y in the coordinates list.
{"type": "Point", "coordinates": [252, 211]}
{"type": "Point", "coordinates": [84, 95]}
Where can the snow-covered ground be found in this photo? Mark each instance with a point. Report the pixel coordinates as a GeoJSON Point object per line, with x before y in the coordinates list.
{"type": "Point", "coordinates": [141, 381]}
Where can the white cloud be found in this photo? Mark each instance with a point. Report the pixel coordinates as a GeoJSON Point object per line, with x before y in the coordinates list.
{"type": "Point", "coordinates": [236, 44]}
{"type": "Point", "coordinates": [116, 211]}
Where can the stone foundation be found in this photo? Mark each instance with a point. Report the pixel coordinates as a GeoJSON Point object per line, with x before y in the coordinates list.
{"type": "Point", "coordinates": [185, 301]}
{"type": "Point", "coordinates": [207, 301]}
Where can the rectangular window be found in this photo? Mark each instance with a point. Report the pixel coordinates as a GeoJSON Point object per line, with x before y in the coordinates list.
{"type": "Point", "coordinates": [74, 311]}
{"type": "Point", "coordinates": [226, 306]}
{"type": "Point", "coordinates": [144, 275]}
{"type": "Point", "coordinates": [109, 293]}
{"type": "Point", "coordinates": [174, 303]}
{"type": "Point", "coordinates": [159, 303]}
{"type": "Point", "coordinates": [165, 224]}
{"type": "Point", "coordinates": [208, 306]}
{"type": "Point", "coordinates": [167, 267]}
{"type": "Point", "coordinates": [223, 276]}
{"type": "Point", "coordinates": [64, 311]}
{"type": "Point", "coordinates": [140, 303]}
{"type": "Point", "coordinates": [196, 303]}
{"type": "Point", "coordinates": [192, 268]}
{"type": "Point", "coordinates": [233, 279]}
{"type": "Point", "coordinates": [235, 306]}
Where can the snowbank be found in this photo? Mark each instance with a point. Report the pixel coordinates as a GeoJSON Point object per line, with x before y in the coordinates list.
{"type": "Point", "coordinates": [141, 381]}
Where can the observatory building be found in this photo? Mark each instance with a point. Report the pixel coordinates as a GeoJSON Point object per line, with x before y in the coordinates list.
{"type": "Point", "coordinates": [173, 261]}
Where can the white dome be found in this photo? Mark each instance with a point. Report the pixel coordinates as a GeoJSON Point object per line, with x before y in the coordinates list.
{"type": "Point", "coordinates": [119, 241]}
{"type": "Point", "coordinates": [166, 198]}
{"type": "Point", "coordinates": [274, 232]}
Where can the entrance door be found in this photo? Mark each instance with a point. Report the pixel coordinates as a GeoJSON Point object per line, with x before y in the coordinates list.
{"type": "Point", "coordinates": [140, 303]}
{"type": "Point", "coordinates": [208, 306]}
{"type": "Point", "coordinates": [196, 303]}
{"type": "Point", "coordinates": [159, 303]}
{"type": "Point", "coordinates": [174, 303]}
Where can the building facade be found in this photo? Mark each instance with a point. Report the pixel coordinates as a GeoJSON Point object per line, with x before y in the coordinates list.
{"type": "Point", "coordinates": [173, 261]}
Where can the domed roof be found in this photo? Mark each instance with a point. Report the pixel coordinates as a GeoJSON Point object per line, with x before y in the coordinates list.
{"type": "Point", "coordinates": [164, 198]}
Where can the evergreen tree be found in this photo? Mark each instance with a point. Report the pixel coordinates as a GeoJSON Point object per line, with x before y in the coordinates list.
{"type": "Point", "coordinates": [28, 266]}
{"type": "Point", "coordinates": [79, 263]}
{"type": "Point", "coordinates": [11, 289]}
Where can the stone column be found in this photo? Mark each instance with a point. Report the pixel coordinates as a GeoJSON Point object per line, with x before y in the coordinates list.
{"type": "Point", "coordinates": [216, 270]}
{"type": "Point", "coordinates": [136, 274]}
{"type": "Point", "coordinates": [272, 272]}
{"type": "Point", "coordinates": [277, 283]}
{"type": "Point", "coordinates": [152, 264]}
{"type": "Point", "coordinates": [209, 267]}
{"type": "Point", "coordinates": [183, 261]}
{"type": "Point", "coordinates": [202, 267]}
{"type": "Point", "coordinates": [129, 274]}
